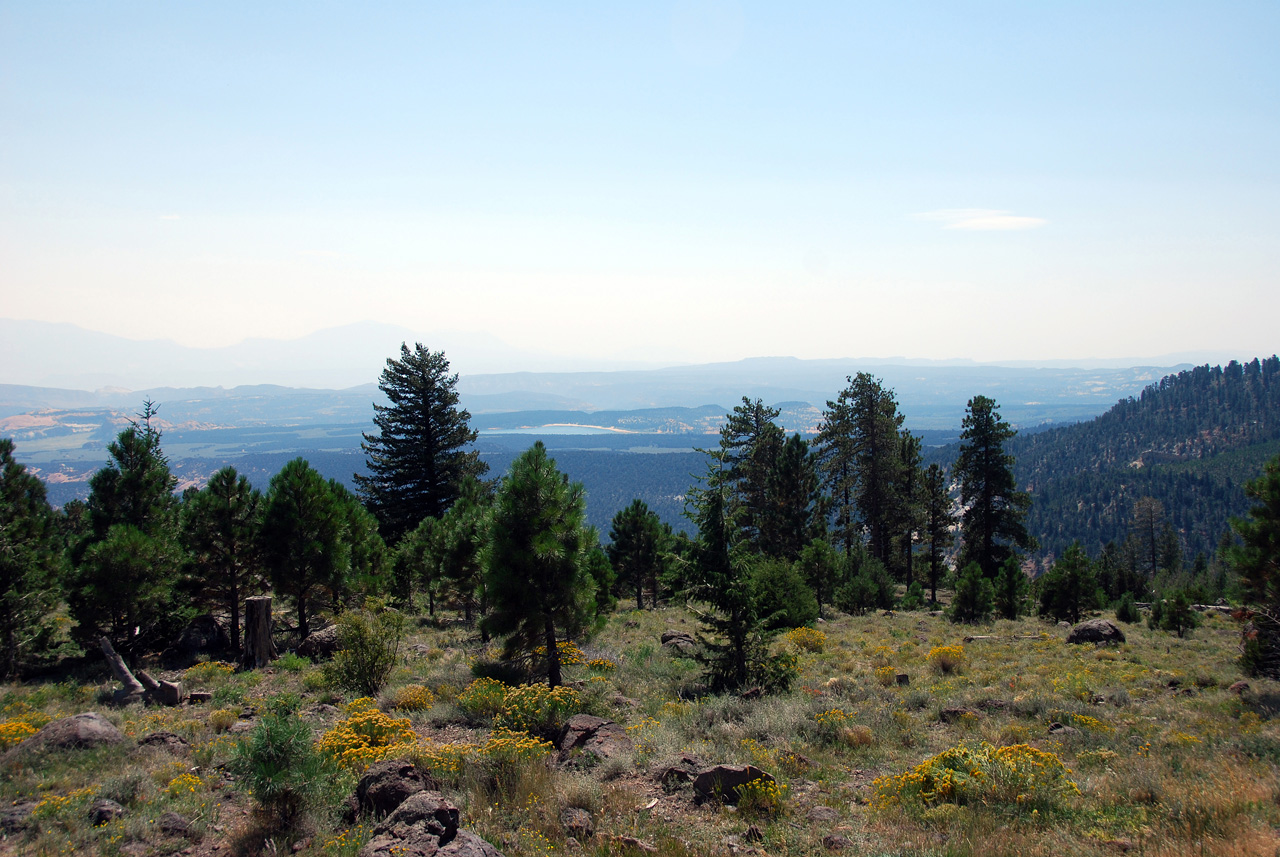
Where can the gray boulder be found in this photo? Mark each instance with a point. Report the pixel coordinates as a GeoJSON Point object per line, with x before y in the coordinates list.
{"type": "Point", "coordinates": [78, 732]}
{"type": "Point", "coordinates": [1096, 631]}
{"type": "Point", "coordinates": [16, 818]}
{"type": "Point", "coordinates": [104, 811]}
{"type": "Point", "coordinates": [425, 825]}
{"type": "Point", "coordinates": [577, 823]}
{"type": "Point", "coordinates": [320, 644]}
{"type": "Point", "coordinates": [679, 642]}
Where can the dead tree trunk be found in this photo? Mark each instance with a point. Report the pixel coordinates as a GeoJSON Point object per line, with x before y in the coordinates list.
{"type": "Point", "coordinates": [259, 649]}
{"type": "Point", "coordinates": [132, 689]}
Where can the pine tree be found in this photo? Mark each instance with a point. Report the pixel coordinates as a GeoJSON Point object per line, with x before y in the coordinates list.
{"type": "Point", "coordinates": [750, 443]}
{"type": "Point", "coordinates": [220, 526]}
{"type": "Point", "coordinates": [791, 501]}
{"type": "Point", "coordinates": [1257, 559]}
{"type": "Point", "coordinates": [993, 521]}
{"type": "Point", "coordinates": [538, 582]}
{"type": "Point", "coordinates": [636, 550]}
{"type": "Point", "coordinates": [303, 538]}
{"type": "Point", "coordinates": [1069, 588]}
{"type": "Point", "coordinates": [418, 459]}
{"type": "Point", "coordinates": [938, 521]}
{"type": "Point", "coordinates": [1011, 588]}
{"type": "Point", "coordinates": [30, 563]}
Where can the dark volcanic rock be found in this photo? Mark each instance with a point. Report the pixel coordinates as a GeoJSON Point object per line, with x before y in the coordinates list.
{"type": "Point", "coordinates": [425, 825]}
{"type": "Point", "coordinates": [388, 784]}
{"type": "Point", "coordinates": [723, 781]}
{"type": "Point", "coordinates": [104, 811]}
{"type": "Point", "coordinates": [14, 819]}
{"type": "Point", "coordinates": [601, 738]}
{"type": "Point", "coordinates": [577, 823]}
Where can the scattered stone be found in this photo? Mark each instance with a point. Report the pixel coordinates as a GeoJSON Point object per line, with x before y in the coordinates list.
{"type": "Point", "coordinates": [1061, 730]}
{"type": "Point", "coordinates": [951, 715]}
{"type": "Point", "coordinates": [1096, 631]}
{"type": "Point", "coordinates": [577, 823]}
{"type": "Point", "coordinates": [14, 819]}
{"type": "Point", "coordinates": [1239, 687]}
{"type": "Point", "coordinates": [638, 844]}
{"type": "Point", "coordinates": [79, 732]}
{"type": "Point", "coordinates": [620, 701]}
{"type": "Point", "coordinates": [175, 744]}
{"type": "Point", "coordinates": [240, 727]}
{"type": "Point", "coordinates": [679, 642]}
{"type": "Point", "coordinates": [320, 644]}
{"type": "Point", "coordinates": [172, 824]}
{"type": "Point", "coordinates": [754, 834]}
{"type": "Point", "coordinates": [103, 811]}
{"type": "Point", "coordinates": [596, 736]}
{"type": "Point", "coordinates": [723, 781]}
{"type": "Point", "coordinates": [203, 636]}
{"type": "Point", "coordinates": [674, 773]}
{"type": "Point", "coordinates": [388, 784]}
{"type": "Point", "coordinates": [836, 842]}
{"type": "Point", "coordinates": [198, 697]}
{"type": "Point", "coordinates": [823, 814]}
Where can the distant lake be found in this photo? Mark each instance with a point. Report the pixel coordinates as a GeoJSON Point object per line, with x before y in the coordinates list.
{"type": "Point", "coordinates": [553, 430]}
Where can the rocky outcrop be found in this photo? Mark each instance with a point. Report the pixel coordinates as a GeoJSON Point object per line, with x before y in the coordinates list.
{"type": "Point", "coordinates": [1096, 631]}
{"type": "Point", "coordinates": [594, 736]}
{"type": "Point", "coordinates": [425, 825]}
{"type": "Point", "coordinates": [679, 642]}
{"type": "Point", "coordinates": [175, 744]}
{"type": "Point", "coordinates": [79, 732]}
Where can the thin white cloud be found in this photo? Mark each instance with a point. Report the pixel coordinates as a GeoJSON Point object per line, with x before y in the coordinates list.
{"type": "Point", "coordinates": [171, 217]}
{"type": "Point", "coordinates": [981, 219]}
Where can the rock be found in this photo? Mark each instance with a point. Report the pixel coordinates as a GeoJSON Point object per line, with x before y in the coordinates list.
{"type": "Point", "coordinates": [1239, 687]}
{"type": "Point", "coordinates": [823, 814]}
{"type": "Point", "coordinates": [103, 811]}
{"type": "Point", "coordinates": [135, 849]}
{"type": "Point", "coordinates": [172, 824]}
{"type": "Point", "coordinates": [196, 697]}
{"type": "Point", "coordinates": [1061, 730]}
{"type": "Point", "coordinates": [903, 679]}
{"type": "Point", "coordinates": [175, 744]}
{"type": "Point", "coordinates": [388, 784]}
{"type": "Point", "coordinates": [836, 842]}
{"type": "Point", "coordinates": [203, 636]}
{"type": "Point", "coordinates": [240, 727]}
{"type": "Point", "coordinates": [425, 825]}
{"type": "Point", "coordinates": [14, 819]}
{"type": "Point", "coordinates": [951, 715]}
{"type": "Point", "coordinates": [754, 834]}
{"type": "Point", "coordinates": [637, 844]}
{"type": "Point", "coordinates": [320, 644]}
{"type": "Point", "coordinates": [723, 781]}
{"type": "Point", "coordinates": [1096, 631]}
{"type": "Point", "coordinates": [674, 773]}
{"type": "Point", "coordinates": [679, 642]}
{"type": "Point", "coordinates": [596, 736]}
{"type": "Point", "coordinates": [81, 731]}
{"type": "Point", "coordinates": [577, 823]}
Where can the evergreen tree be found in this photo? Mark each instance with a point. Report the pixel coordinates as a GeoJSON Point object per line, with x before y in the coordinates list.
{"type": "Point", "coordinates": [838, 467]}
{"type": "Point", "coordinates": [938, 521]}
{"type": "Point", "coordinates": [1069, 588]}
{"type": "Point", "coordinates": [785, 600]}
{"type": "Point", "coordinates": [304, 538]}
{"type": "Point", "coordinates": [416, 563]}
{"type": "Point", "coordinates": [974, 597]}
{"type": "Point", "coordinates": [909, 510]}
{"type": "Point", "coordinates": [1257, 560]}
{"type": "Point", "coordinates": [30, 564]}
{"type": "Point", "coordinates": [821, 567]}
{"type": "Point", "coordinates": [791, 500]}
{"type": "Point", "coordinates": [876, 423]}
{"type": "Point", "coordinates": [636, 550]}
{"type": "Point", "coordinates": [538, 581]}
{"type": "Point", "coordinates": [750, 443]}
{"type": "Point", "coordinates": [1011, 588]}
{"type": "Point", "coordinates": [464, 540]}
{"type": "Point", "coordinates": [366, 551]}
{"type": "Point", "coordinates": [418, 459]}
{"type": "Point", "coordinates": [993, 521]}
{"type": "Point", "coordinates": [1174, 613]}
{"type": "Point", "coordinates": [126, 562]}
{"type": "Point", "coordinates": [220, 526]}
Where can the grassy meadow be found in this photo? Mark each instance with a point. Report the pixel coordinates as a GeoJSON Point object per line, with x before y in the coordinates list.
{"type": "Point", "coordinates": [1014, 744]}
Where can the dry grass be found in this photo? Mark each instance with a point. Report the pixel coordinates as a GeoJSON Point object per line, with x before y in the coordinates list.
{"type": "Point", "coordinates": [1167, 760]}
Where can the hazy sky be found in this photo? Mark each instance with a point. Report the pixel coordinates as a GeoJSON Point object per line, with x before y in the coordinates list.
{"type": "Point", "coordinates": [689, 180]}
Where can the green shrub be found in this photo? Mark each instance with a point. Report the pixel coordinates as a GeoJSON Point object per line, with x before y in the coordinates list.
{"type": "Point", "coordinates": [368, 650]}
{"type": "Point", "coordinates": [914, 599]}
{"type": "Point", "coordinates": [280, 767]}
{"type": "Point", "coordinates": [785, 600]}
{"type": "Point", "coordinates": [292, 662]}
{"type": "Point", "coordinates": [1174, 614]}
{"type": "Point", "coordinates": [869, 587]}
{"type": "Point", "coordinates": [1127, 609]}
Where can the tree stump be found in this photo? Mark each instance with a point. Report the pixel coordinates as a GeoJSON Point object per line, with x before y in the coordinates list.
{"type": "Point", "coordinates": [259, 649]}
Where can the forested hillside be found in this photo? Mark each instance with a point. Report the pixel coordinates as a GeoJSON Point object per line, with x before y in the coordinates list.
{"type": "Point", "coordinates": [1188, 442]}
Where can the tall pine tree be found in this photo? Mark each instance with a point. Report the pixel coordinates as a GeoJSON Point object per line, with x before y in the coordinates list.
{"type": "Point", "coordinates": [995, 510]}
{"type": "Point", "coordinates": [418, 459]}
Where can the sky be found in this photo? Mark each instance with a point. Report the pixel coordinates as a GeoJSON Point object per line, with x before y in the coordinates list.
{"type": "Point", "coordinates": [664, 181]}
